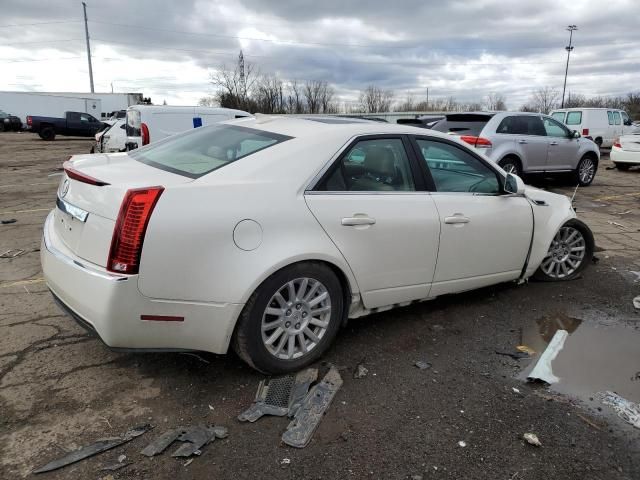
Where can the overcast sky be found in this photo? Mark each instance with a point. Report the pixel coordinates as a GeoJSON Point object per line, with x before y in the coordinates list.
{"type": "Point", "coordinates": [466, 49]}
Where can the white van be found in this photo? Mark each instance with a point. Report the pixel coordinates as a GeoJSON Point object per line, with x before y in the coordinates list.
{"type": "Point", "coordinates": [149, 123]}
{"type": "Point", "coordinates": [602, 125]}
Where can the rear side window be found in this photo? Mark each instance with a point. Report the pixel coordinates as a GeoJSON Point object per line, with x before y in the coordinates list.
{"type": "Point", "coordinates": [610, 117]}
{"type": "Point", "coordinates": [133, 123]}
{"type": "Point", "coordinates": [522, 125]}
{"type": "Point", "coordinates": [462, 124]}
{"type": "Point", "coordinates": [616, 118]}
{"type": "Point", "coordinates": [203, 150]}
{"type": "Point", "coordinates": [573, 118]}
{"type": "Point", "coordinates": [559, 116]}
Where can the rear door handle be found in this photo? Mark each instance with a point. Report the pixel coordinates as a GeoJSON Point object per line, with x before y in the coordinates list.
{"type": "Point", "coordinates": [457, 218]}
{"type": "Point", "coordinates": [553, 143]}
{"type": "Point", "coordinates": [522, 141]}
{"type": "Point", "coordinates": [355, 221]}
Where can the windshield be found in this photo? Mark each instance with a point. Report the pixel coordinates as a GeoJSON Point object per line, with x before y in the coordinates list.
{"type": "Point", "coordinates": [204, 150]}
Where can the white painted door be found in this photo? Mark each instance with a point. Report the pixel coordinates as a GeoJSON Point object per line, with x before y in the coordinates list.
{"type": "Point", "coordinates": [386, 230]}
{"type": "Point", "coordinates": [485, 236]}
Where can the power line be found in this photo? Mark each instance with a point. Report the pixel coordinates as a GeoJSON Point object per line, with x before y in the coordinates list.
{"type": "Point", "coordinates": [42, 41]}
{"type": "Point", "coordinates": [40, 60]}
{"type": "Point", "coordinates": [37, 23]}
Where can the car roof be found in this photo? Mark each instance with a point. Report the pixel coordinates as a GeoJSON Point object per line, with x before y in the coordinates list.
{"type": "Point", "coordinates": [572, 109]}
{"type": "Point", "coordinates": [185, 109]}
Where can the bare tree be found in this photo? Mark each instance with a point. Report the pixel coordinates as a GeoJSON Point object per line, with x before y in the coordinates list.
{"type": "Point", "coordinates": [268, 95]}
{"type": "Point", "coordinates": [295, 102]}
{"type": "Point", "coordinates": [375, 100]}
{"type": "Point", "coordinates": [326, 99]}
{"type": "Point", "coordinates": [544, 100]}
{"type": "Point", "coordinates": [208, 101]}
{"type": "Point", "coordinates": [408, 104]}
{"type": "Point", "coordinates": [235, 84]}
{"type": "Point", "coordinates": [313, 95]}
{"type": "Point", "coordinates": [495, 101]}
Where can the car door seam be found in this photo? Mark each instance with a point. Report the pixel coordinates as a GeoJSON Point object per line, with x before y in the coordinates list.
{"type": "Point", "coordinates": [533, 232]}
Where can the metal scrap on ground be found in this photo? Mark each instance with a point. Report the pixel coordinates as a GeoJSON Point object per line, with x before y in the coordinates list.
{"type": "Point", "coordinates": [627, 410]}
{"type": "Point", "coordinates": [315, 404]}
{"type": "Point", "coordinates": [543, 370]}
{"type": "Point", "coordinates": [194, 439]}
{"type": "Point", "coordinates": [93, 449]}
{"type": "Point", "coordinates": [280, 396]}
{"type": "Point", "coordinates": [12, 253]}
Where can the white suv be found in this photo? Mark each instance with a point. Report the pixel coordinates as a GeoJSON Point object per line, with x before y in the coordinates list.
{"type": "Point", "coordinates": [526, 143]}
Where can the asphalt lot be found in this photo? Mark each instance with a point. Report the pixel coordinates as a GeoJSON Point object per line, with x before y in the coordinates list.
{"type": "Point", "coordinates": [61, 388]}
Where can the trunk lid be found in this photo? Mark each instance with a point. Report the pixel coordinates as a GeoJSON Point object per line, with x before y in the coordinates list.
{"type": "Point", "coordinates": [86, 213]}
{"type": "Point", "coordinates": [630, 143]}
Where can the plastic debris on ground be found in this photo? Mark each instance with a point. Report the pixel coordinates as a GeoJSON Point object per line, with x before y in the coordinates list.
{"type": "Point", "coordinates": [462, 444]}
{"type": "Point", "coordinates": [532, 439]}
{"type": "Point", "coordinates": [90, 450]}
{"type": "Point", "coordinates": [307, 418]}
{"type": "Point", "coordinates": [543, 370]}
{"type": "Point", "coordinates": [194, 438]}
{"type": "Point", "coordinates": [636, 302]}
{"type": "Point", "coordinates": [7, 222]}
{"type": "Point", "coordinates": [12, 253]}
{"type": "Point", "coordinates": [280, 396]}
{"type": "Point", "coordinates": [361, 371]}
{"type": "Point", "coordinates": [526, 349]}
{"type": "Point", "coordinates": [422, 365]}
{"type": "Point", "coordinates": [627, 410]}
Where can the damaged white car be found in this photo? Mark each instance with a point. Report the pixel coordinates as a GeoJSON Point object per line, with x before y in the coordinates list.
{"type": "Point", "coordinates": [267, 234]}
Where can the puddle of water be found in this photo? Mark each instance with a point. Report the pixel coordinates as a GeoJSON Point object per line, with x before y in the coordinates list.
{"type": "Point", "coordinates": [594, 358]}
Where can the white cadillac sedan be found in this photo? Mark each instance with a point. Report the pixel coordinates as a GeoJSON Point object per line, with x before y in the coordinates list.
{"type": "Point", "coordinates": [267, 234]}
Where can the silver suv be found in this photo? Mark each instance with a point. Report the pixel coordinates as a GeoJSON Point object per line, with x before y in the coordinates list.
{"type": "Point", "coordinates": [526, 143]}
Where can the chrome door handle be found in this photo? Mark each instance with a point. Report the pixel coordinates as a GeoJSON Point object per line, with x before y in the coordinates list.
{"type": "Point", "coordinates": [355, 221]}
{"type": "Point", "coordinates": [522, 141]}
{"type": "Point", "coordinates": [553, 143]}
{"type": "Point", "coordinates": [457, 218]}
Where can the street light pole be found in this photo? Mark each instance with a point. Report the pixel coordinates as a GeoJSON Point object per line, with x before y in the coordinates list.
{"type": "Point", "coordinates": [570, 28]}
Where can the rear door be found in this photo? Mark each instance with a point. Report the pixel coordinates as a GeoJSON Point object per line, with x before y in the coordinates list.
{"type": "Point", "coordinates": [532, 142]}
{"type": "Point", "coordinates": [74, 126]}
{"type": "Point", "coordinates": [563, 148]}
{"type": "Point", "coordinates": [484, 235]}
{"type": "Point", "coordinates": [373, 205]}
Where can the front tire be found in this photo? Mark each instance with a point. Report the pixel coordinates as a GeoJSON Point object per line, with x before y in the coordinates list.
{"type": "Point", "coordinates": [291, 319]}
{"type": "Point", "coordinates": [511, 165]}
{"type": "Point", "coordinates": [586, 170]}
{"type": "Point", "coordinates": [622, 166]}
{"type": "Point", "coordinates": [569, 253]}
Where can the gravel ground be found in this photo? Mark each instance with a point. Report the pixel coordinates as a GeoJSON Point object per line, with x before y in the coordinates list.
{"type": "Point", "coordinates": [61, 389]}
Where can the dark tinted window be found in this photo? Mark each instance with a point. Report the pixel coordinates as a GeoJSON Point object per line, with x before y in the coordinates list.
{"type": "Point", "coordinates": [378, 165]}
{"type": "Point", "coordinates": [204, 150]}
{"type": "Point", "coordinates": [73, 116]}
{"type": "Point", "coordinates": [455, 170]}
{"type": "Point", "coordinates": [522, 125]}
{"type": "Point", "coordinates": [463, 123]}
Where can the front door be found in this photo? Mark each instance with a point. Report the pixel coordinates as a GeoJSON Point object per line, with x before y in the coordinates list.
{"type": "Point", "coordinates": [531, 141]}
{"type": "Point", "coordinates": [563, 148]}
{"type": "Point", "coordinates": [485, 235]}
{"type": "Point", "coordinates": [373, 206]}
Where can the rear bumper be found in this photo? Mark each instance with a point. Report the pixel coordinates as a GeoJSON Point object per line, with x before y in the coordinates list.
{"type": "Point", "coordinates": [623, 156]}
{"type": "Point", "coordinates": [112, 306]}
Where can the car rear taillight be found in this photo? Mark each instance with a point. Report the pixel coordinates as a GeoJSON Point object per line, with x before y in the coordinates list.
{"type": "Point", "coordinates": [145, 134]}
{"type": "Point", "coordinates": [29, 120]}
{"type": "Point", "coordinates": [131, 226]}
{"type": "Point", "coordinates": [478, 142]}
{"type": "Point", "coordinates": [81, 177]}
{"type": "Point", "coordinates": [616, 143]}
{"type": "Point", "coordinates": [585, 132]}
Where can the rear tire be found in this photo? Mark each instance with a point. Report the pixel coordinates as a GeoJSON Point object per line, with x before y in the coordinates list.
{"type": "Point", "coordinates": [586, 170]}
{"type": "Point", "coordinates": [622, 166]}
{"type": "Point", "coordinates": [511, 164]}
{"type": "Point", "coordinates": [48, 134]}
{"type": "Point", "coordinates": [284, 312]}
{"type": "Point", "coordinates": [569, 253]}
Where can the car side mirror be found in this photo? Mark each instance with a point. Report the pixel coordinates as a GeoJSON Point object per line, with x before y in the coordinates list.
{"type": "Point", "coordinates": [574, 134]}
{"type": "Point", "coordinates": [513, 184]}
{"type": "Point", "coordinates": [628, 123]}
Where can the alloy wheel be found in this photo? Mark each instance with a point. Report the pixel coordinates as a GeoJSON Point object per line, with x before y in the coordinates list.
{"type": "Point", "coordinates": [510, 168]}
{"type": "Point", "coordinates": [566, 253]}
{"type": "Point", "coordinates": [587, 170]}
{"type": "Point", "coordinates": [296, 318]}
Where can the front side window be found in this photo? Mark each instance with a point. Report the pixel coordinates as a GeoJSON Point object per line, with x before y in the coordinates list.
{"type": "Point", "coordinates": [555, 129]}
{"type": "Point", "coordinates": [455, 170]}
{"type": "Point", "coordinates": [616, 118]}
{"type": "Point", "coordinates": [625, 117]}
{"type": "Point", "coordinates": [559, 116]}
{"type": "Point", "coordinates": [203, 150]}
{"type": "Point", "coordinates": [376, 165]}
{"type": "Point", "coordinates": [85, 117]}
{"type": "Point", "coordinates": [573, 118]}
{"type": "Point", "coordinates": [610, 117]}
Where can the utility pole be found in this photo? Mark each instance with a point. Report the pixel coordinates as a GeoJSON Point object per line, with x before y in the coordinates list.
{"type": "Point", "coordinates": [243, 82]}
{"type": "Point", "coordinates": [86, 31]}
{"type": "Point", "coordinates": [570, 28]}
{"type": "Point", "coordinates": [428, 109]}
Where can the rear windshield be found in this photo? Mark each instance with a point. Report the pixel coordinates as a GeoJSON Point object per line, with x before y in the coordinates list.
{"type": "Point", "coordinates": [203, 150]}
{"type": "Point", "coordinates": [462, 124]}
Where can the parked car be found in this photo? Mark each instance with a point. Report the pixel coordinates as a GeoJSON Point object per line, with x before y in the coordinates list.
{"type": "Point", "coordinates": [150, 123]}
{"type": "Point", "coordinates": [625, 152]}
{"type": "Point", "coordinates": [524, 143]}
{"type": "Point", "coordinates": [76, 124]}
{"type": "Point", "coordinates": [423, 121]}
{"type": "Point", "coordinates": [112, 139]}
{"type": "Point", "coordinates": [267, 234]}
{"type": "Point", "coordinates": [602, 125]}
{"type": "Point", "coordinates": [9, 123]}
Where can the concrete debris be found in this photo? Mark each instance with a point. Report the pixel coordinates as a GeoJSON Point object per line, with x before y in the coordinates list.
{"type": "Point", "coordinates": [627, 410]}
{"type": "Point", "coordinates": [636, 302]}
{"type": "Point", "coordinates": [361, 371]}
{"type": "Point", "coordinates": [313, 407]}
{"type": "Point", "coordinates": [532, 439]}
{"type": "Point", "coordinates": [543, 370]}
{"type": "Point", "coordinates": [93, 449]}
{"type": "Point", "coordinates": [422, 365]}
{"type": "Point", "coordinates": [280, 396]}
